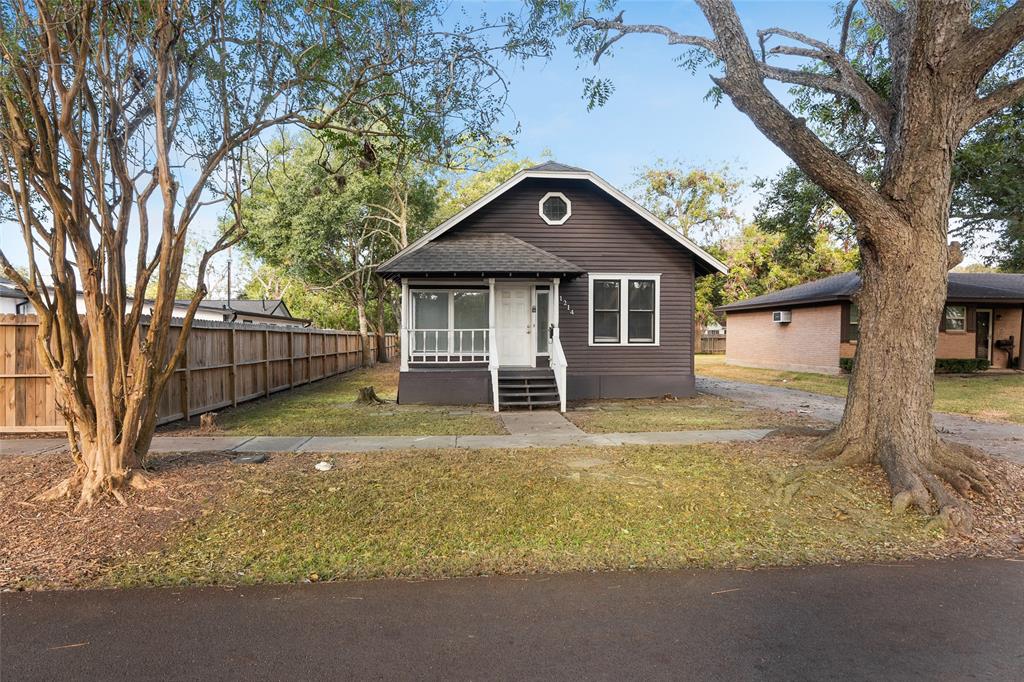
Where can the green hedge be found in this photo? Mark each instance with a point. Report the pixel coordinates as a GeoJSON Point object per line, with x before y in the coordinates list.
{"type": "Point", "coordinates": [942, 365]}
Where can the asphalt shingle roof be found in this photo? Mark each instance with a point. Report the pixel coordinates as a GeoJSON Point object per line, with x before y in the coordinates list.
{"type": "Point", "coordinates": [555, 167]}
{"type": "Point", "coordinates": [261, 306]}
{"type": "Point", "coordinates": [9, 291]}
{"type": "Point", "coordinates": [963, 286]}
{"type": "Point", "coordinates": [479, 254]}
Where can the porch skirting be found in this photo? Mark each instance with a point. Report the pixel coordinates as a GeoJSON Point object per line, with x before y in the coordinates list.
{"type": "Point", "coordinates": [444, 387]}
{"type": "Point", "coordinates": [473, 386]}
{"type": "Point", "coordinates": [594, 386]}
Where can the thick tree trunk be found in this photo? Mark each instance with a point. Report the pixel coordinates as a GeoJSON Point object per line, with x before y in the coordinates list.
{"type": "Point", "coordinates": [380, 328]}
{"type": "Point", "coordinates": [364, 333]}
{"type": "Point", "coordinates": [888, 418]}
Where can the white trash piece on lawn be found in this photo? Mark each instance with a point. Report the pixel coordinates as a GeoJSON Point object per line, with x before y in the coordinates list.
{"type": "Point", "coordinates": [323, 466]}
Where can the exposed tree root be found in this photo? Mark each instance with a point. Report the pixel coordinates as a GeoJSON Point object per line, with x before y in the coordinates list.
{"type": "Point", "coordinates": [63, 490]}
{"type": "Point", "coordinates": [91, 488]}
{"type": "Point", "coordinates": [922, 481]}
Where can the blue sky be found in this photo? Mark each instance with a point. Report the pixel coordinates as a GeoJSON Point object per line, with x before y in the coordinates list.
{"type": "Point", "coordinates": [658, 109]}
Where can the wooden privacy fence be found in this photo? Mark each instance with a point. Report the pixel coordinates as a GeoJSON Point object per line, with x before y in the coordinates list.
{"type": "Point", "coordinates": [712, 344]}
{"type": "Point", "coordinates": [225, 364]}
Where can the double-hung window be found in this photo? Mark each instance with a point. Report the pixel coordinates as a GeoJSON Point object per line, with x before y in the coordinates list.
{"type": "Point", "coordinates": [956, 318]}
{"type": "Point", "coordinates": [624, 309]}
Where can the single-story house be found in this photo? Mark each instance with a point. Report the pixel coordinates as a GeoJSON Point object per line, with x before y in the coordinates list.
{"type": "Point", "coordinates": [263, 311]}
{"type": "Point", "coordinates": [554, 286]}
{"type": "Point", "coordinates": [811, 326]}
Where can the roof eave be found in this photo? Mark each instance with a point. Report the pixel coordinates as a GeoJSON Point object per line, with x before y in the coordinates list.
{"type": "Point", "coordinates": [740, 306]}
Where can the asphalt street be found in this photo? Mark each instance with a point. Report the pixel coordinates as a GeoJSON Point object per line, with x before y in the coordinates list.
{"type": "Point", "coordinates": [924, 620]}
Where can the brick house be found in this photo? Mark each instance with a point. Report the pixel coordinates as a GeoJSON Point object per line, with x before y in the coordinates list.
{"type": "Point", "coordinates": [809, 327]}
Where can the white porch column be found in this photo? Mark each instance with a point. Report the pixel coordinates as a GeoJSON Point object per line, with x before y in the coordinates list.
{"type": "Point", "coordinates": [492, 341]}
{"type": "Point", "coordinates": [554, 301]}
{"type": "Point", "coordinates": [404, 342]}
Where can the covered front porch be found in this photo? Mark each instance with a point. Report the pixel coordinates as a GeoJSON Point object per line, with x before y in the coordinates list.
{"type": "Point", "coordinates": [480, 322]}
{"type": "Point", "coordinates": [463, 331]}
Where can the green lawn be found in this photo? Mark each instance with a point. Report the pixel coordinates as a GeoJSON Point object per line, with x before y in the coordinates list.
{"type": "Point", "coordinates": [327, 408]}
{"type": "Point", "coordinates": [701, 412]}
{"type": "Point", "coordinates": [985, 396]}
{"type": "Point", "coordinates": [450, 513]}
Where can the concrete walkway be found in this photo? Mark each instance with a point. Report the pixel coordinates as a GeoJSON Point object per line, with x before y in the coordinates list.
{"type": "Point", "coordinates": [944, 620]}
{"type": "Point", "coordinates": [328, 444]}
{"type": "Point", "coordinates": [539, 423]}
{"type": "Point", "coordinates": [999, 439]}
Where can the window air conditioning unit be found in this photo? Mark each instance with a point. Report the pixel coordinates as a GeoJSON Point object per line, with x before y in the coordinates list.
{"type": "Point", "coordinates": [782, 316]}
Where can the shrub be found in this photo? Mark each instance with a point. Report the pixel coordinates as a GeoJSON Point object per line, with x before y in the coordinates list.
{"type": "Point", "coordinates": [960, 366]}
{"type": "Point", "coordinates": [942, 365]}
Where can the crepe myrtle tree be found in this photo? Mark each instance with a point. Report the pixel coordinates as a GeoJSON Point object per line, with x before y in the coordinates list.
{"type": "Point", "coordinates": [940, 57]}
{"type": "Point", "coordinates": [121, 119]}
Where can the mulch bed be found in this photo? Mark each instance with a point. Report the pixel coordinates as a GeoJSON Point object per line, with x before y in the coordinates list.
{"type": "Point", "coordinates": [49, 545]}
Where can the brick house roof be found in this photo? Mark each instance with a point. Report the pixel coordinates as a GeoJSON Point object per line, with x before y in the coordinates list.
{"type": "Point", "coordinates": [982, 287]}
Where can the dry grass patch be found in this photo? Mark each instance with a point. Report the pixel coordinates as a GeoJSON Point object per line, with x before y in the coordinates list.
{"type": "Point", "coordinates": [452, 513]}
{"type": "Point", "coordinates": [685, 414]}
{"type": "Point", "coordinates": [328, 408]}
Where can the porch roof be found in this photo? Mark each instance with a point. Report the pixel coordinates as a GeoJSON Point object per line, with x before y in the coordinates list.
{"type": "Point", "coordinates": [479, 255]}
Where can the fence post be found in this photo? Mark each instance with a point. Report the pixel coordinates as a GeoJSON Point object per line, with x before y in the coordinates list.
{"type": "Point", "coordinates": [186, 383]}
{"type": "Point", "coordinates": [266, 362]}
{"type": "Point", "coordinates": [233, 370]}
{"type": "Point", "coordinates": [291, 359]}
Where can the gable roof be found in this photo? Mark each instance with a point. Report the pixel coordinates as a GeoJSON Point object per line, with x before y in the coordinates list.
{"type": "Point", "coordinates": [552, 169]}
{"type": "Point", "coordinates": [479, 254]}
{"type": "Point", "coordinates": [963, 286]}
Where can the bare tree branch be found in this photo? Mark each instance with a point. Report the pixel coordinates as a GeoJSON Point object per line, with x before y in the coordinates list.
{"type": "Point", "coordinates": [847, 82]}
{"type": "Point", "coordinates": [985, 47]}
{"type": "Point", "coordinates": [621, 29]}
{"type": "Point", "coordinates": [997, 100]}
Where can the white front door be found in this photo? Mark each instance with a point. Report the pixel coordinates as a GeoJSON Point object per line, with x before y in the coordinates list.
{"type": "Point", "coordinates": [514, 320]}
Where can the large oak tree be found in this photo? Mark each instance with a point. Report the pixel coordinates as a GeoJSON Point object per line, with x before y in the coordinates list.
{"type": "Point", "coordinates": [940, 56]}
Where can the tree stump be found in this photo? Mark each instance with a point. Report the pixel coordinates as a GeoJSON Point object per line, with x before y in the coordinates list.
{"type": "Point", "coordinates": [208, 422]}
{"type": "Point", "coordinates": [368, 396]}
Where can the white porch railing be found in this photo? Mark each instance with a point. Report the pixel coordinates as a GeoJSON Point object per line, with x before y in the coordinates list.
{"type": "Point", "coordinates": [450, 346]}
{"type": "Point", "coordinates": [558, 365]}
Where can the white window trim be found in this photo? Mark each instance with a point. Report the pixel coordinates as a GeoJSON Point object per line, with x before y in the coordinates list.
{"type": "Point", "coordinates": [946, 318]}
{"type": "Point", "coordinates": [624, 278]}
{"type": "Point", "coordinates": [568, 208]}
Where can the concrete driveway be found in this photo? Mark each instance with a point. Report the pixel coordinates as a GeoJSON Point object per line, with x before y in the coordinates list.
{"type": "Point", "coordinates": [1000, 439]}
{"type": "Point", "coordinates": [935, 620]}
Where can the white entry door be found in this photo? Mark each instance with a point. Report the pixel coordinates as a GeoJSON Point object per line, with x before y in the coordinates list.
{"type": "Point", "coordinates": [514, 321]}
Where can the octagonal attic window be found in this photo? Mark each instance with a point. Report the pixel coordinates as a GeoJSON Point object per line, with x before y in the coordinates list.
{"type": "Point", "coordinates": [555, 208]}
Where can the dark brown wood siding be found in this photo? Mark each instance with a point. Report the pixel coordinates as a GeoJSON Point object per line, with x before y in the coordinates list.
{"type": "Point", "coordinates": [602, 235]}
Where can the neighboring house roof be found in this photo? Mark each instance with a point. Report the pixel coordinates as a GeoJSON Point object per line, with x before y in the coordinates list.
{"type": "Point", "coordinates": [705, 261]}
{"type": "Point", "coordinates": [9, 291]}
{"type": "Point", "coordinates": [268, 308]}
{"type": "Point", "coordinates": [273, 307]}
{"type": "Point", "coordinates": [981, 287]}
{"type": "Point", "coordinates": [483, 254]}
